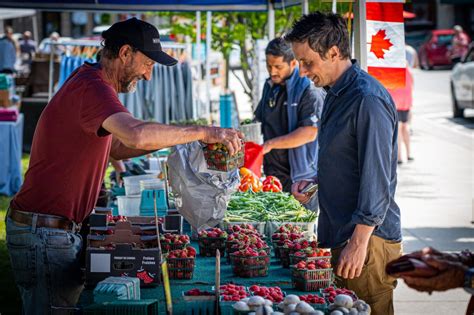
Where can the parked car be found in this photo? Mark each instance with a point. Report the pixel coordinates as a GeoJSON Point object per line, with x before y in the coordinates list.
{"type": "Point", "coordinates": [434, 50]}
{"type": "Point", "coordinates": [462, 84]}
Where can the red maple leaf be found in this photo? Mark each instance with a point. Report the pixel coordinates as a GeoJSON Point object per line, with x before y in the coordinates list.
{"type": "Point", "coordinates": [379, 44]}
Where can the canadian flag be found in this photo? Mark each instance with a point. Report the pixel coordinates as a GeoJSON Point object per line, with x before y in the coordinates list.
{"type": "Point", "coordinates": [386, 60]}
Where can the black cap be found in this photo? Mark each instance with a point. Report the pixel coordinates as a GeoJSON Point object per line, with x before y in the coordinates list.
{"type": "Point", "coordinates": [140, 35]}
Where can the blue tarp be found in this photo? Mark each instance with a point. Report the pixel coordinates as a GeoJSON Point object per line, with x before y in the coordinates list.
{"type": "Point", "coordinates": [149, 5]}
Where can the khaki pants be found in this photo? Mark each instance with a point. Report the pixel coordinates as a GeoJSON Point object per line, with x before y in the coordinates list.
{"type": "Point", "coordinates": [373, 286]}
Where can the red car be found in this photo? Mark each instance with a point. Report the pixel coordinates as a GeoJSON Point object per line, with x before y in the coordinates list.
{"type": "Point", "coordinates": [434, 50]}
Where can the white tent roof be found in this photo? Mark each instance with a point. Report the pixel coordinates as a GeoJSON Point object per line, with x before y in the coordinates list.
{"type": "Point", "coordinates": [15, 13]}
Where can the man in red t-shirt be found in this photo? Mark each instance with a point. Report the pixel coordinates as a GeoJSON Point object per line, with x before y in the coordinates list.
{"type": "Point", "coordinates": [82, 125]}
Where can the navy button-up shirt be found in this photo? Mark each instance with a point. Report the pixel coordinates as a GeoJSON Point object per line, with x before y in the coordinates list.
{"type": "Point", "coordinates": [357, 160]}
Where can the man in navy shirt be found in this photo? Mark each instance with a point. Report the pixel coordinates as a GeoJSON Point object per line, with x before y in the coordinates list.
{"type": "Point", "coordinates": [359, 219]}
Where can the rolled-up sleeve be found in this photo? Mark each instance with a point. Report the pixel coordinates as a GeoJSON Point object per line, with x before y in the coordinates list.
{"type": "Point", "coordinates": [375, 125]}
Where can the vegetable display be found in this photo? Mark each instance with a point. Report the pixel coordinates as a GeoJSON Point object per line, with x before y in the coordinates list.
{"type": "Point", "coordinates": [269, 206]}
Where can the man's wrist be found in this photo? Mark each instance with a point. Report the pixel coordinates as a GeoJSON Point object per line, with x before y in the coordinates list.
{"type": "Point", "coordinates": [361, 235]}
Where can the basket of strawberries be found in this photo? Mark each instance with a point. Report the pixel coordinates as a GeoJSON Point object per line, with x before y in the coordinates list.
{"type": "Point", "coordinates": [310, 254]}
{"type": "Point", "coordinates": [218, 158]}
{"type": "Point", "coordinates": [181, 263]}
{"type": "Point", "coordinates": [274, 294]}
{"type": "Point", "coordinates": [290, 247]}
{"type": "Point", "coordinates": [283, 233]}
{"type": "Point", "coordinates": [311, 275]}
{"type": "Point", "coordinates": [211, 240]}
{"type": "Point", "coordinates": [248, 263]}
{"type": "Point", "coordinates": [170, 242]}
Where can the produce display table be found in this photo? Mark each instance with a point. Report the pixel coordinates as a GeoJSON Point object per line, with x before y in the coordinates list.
{"type": "Point", "coordinates": [204, 277]}
{"type": "Point", "coordinates": [11, 137]}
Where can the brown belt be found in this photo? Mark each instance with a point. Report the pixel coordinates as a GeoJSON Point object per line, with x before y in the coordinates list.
{"type": "Point", "coordinates": [43, 220]}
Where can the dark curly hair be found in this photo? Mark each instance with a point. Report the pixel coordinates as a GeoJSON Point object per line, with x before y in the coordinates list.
{"type": "Point", "coordinates": [321, 31]}
{"type": "Point", "coordinates": [280, 48]}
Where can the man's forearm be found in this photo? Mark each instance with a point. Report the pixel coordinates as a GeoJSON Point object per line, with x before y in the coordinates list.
{"type": "Point", "coordinates": [119, 151]}
{"type": "Point", "coordinates": [361, 235]}
{"type": "Point", "coordinates": [295, 139]}
{"type": "Point", "coordinates": [156, 136]}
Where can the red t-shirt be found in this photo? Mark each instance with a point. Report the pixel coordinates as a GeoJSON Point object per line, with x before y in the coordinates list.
{"type": "Point", "coordinates": [70, 148]}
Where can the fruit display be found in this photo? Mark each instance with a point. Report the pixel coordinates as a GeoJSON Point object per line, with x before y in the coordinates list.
{"type": "Point", "coordinates": [181, 263]}
{"type": "Point", "coordinates": [311, 275]}
{"type": "Point", "coordinates": [242, 241]}
{"type": "Point", "coordinates": [232, 292]}
{"type": "Point", "coordinates": [249, 263]}
{"type": "Point", "coordinates": [218, 158]}
{"type": "Point", "coordinates": [284, 234]}
{"type": "Point", "coordinates": [309, 254]}
{"type": "Point", "coordinates": [266, 207]}
{"type": "Point", "coordinates": [313, 299]}
{"type": "Point", "coordinates": [274, 294]}
{"type": "Point", "coordinates": [211, 240]}
{"type": "Point", "coordinates": [170, 241]}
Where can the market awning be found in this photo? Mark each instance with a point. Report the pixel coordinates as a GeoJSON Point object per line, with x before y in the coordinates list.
{"type": "Point", "coordinates": [6, 14]}
{"type": "Point", "coordinates": [149, 5]}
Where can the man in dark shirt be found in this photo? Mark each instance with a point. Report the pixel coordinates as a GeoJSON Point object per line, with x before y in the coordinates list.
{"type": "Point", "coordinates": [359, 219]}
{"type": "Point", "coordinates": [289, 111]}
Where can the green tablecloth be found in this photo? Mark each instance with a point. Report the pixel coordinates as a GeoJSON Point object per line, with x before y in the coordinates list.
{"type": "Point", "coordinates": [204, 279]}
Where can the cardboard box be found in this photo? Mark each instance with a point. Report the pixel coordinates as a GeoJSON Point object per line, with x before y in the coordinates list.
{"type": "Point", "coordinates": [5, 98]}
{"type": "Point", "coordinates": [123, 261]}
{"type": "Point", "coordinates": [126, 252]}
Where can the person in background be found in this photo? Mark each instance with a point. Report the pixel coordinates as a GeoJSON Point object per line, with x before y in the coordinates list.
{"type": "Point", "coordinates": [357, 163]}
{"type": "Point", "coordinates": [403, 98]}
{"type": "Point", "coordinates": [289, 111]}
{"type": "Point", "coordinates": [460, 44]}
{"type": "Point", "coordinates": [8, 52]}
{"type": "Point", "coordinates": [27, 48]}
{"type": "Point", "coordinates": [57, 49]}
{"type": "Point", "coordinates": [86, 122]}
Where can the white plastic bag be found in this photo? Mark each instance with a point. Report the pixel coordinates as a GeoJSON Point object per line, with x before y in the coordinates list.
{"type": "Point", "coordinates": [201, 195]}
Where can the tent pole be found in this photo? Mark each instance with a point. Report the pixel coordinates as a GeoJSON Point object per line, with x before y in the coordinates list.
{"type": "Point", "coordinates": [334, 6]}
{"type": "Point", "coordinates": [198, 58]}
{"type": "Point", "coordinates": [51, 71]}
{"type": "Point", "coordinates": [35, 29]}
{"type": "Point", "coordinates": [360, 33]}
{"type": "Point", "coordinates": [271, 20]}
{"type": "Point", "coordinates": [305, 7]}
{"type": "Point", "coordinates": [208, 60]}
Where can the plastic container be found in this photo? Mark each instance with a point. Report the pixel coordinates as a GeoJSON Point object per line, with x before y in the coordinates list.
{"type": "Point", "coordinates": [296, 259]}
{"type": "Point", "coordinates": [181, 268]}
{"type": "Point", "coordinates": [132, 183]}
{"type": "Point", "coordinates": [209, 245]}
{"type": "Point", "coordinates": [252, 132]}
{"type": "Point", "coordinates": [129, 205]}
{"type": "Point", "coordinates": [311, 280]}
{"type": "Point", "coordinates": [285, 253]}
{"type": "Point", "coordinates": [222, 161]}
{"type": "Point", "coordinates": [250, 266]}
{"type": "Point", "coordinates": [152, 184]}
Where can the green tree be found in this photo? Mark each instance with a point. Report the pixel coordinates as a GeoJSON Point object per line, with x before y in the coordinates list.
{"type": "Point", "coordinates": [243, 29]}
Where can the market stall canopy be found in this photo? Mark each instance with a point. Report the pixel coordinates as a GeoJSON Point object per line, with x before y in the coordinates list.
{"type": "Point", "coordinates": [6, 14]}
{"type": "Point", "coordinates": [149, 5]}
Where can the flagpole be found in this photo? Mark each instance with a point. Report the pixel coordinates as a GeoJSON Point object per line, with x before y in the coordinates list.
{"type": "Point", "coordinates": [360, 33]}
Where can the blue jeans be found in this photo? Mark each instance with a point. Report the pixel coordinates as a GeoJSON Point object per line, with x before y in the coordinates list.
{"type": "Point", "coordinates": [46, 267]}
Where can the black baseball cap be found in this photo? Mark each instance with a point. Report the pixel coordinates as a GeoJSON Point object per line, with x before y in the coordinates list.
{"type": "Point", "coordinates": [140, 35]}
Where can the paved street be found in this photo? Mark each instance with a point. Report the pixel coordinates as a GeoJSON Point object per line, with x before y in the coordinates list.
{"type": "Point", "coordinates": [435, 192]}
